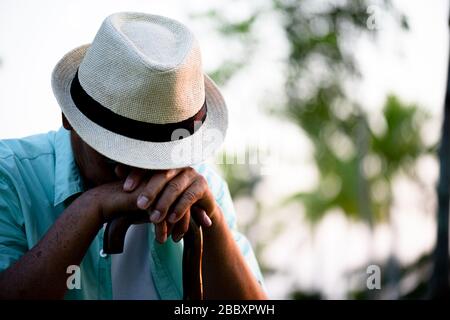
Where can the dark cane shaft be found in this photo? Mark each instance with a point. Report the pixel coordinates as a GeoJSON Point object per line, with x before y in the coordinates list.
{"type": "Point", "coordinates": [114, 238]}
{"type": "Point", "coordinates": [192, 262]}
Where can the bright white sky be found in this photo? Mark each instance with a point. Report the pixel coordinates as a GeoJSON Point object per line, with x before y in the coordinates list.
{"type": "Point", "coordinates": [34, 35]}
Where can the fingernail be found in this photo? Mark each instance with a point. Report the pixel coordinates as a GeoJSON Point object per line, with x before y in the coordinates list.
{"type": "Point", "coordinates": [128, 184]}
{"type": "Point", "coordinates": [207, 221]}
{"type": "Point", "coordinates": [142, 202]}
{"type": "Point", "coordinates": [155, 216]}
{"type": "Point", "coordinates": [172, 218]}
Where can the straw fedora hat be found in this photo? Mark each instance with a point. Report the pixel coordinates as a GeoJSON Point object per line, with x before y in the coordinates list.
{"type": "Point", "coordinates": [137, 94]}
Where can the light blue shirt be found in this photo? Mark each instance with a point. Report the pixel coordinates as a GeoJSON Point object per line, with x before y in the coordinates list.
{"type": "Point", "coordinates": [38, 176]}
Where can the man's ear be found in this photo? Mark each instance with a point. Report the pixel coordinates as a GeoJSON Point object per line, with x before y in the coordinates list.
{"type": "Point", "coordinates": [66, 123]}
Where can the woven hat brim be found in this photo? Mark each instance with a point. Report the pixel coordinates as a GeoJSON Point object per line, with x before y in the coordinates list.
{"type": "Point", "coordinates": [137, 153]}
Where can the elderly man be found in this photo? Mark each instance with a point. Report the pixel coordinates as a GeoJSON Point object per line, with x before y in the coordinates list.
{"type": "Point", "coordinates": [139, 118]}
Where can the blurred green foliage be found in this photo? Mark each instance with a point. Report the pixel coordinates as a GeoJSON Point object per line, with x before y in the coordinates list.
{"type": "Point", "coordinates": [359, 181]}
{"type": "Point", "coordinates": [326, 114]}
{"type": "Point", "coordinates": [357, 160]}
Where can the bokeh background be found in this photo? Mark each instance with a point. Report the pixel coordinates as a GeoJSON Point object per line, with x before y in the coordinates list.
{"type": "Point", "coordinates": [336, 110]}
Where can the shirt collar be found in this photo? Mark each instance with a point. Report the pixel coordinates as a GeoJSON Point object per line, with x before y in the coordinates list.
{"type": "Point", "coordinates": [67, 176]}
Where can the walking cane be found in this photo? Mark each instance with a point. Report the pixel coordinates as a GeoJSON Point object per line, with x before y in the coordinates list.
{"type": "Point", "coordinates": [114, 238]}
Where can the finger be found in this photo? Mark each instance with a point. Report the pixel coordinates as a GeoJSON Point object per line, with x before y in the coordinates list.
{"type": "Point", "coordinates": [199, 193]}
{"type": "Point", "coordinates": [209, 205]}
{"type": "Point", "coordinates": [172, 190]}
{"type": "Point", "coordinates": [170, 227]}
{"type": "Point", "coordinates": [113, 200]}
{"type": "Point", "coordinates": [161, 232]}
{"type": "Point", "coordinates": [121, 171]}
{"type": "Point", "coordinates": [181, 227]}
{"type": "Point", "coordinates": [133, 179]}
{"type": "Point", "coordinates": [153, 188]}
{"type": "Point", "coordinates": [200, 216]}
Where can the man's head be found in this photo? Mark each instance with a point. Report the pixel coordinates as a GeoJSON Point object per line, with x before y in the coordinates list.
{"type": "Point", "coordinates": [137, 94]}
{"type": "Point", "coordinates": [95, 168]}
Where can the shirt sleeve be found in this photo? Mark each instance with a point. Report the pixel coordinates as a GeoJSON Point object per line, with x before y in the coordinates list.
{"type": "Point", "coordinates": [13, 243]}
{"type": "Point", "coordinates": [222, 194]}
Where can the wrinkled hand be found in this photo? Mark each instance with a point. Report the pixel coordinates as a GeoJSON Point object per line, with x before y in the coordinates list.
{"type": "Point", "coordinates": [170, 197]}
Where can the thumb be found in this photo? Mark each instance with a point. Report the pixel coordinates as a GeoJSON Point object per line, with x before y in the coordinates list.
{"type": "Point", "coordinates": [115, 201]}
